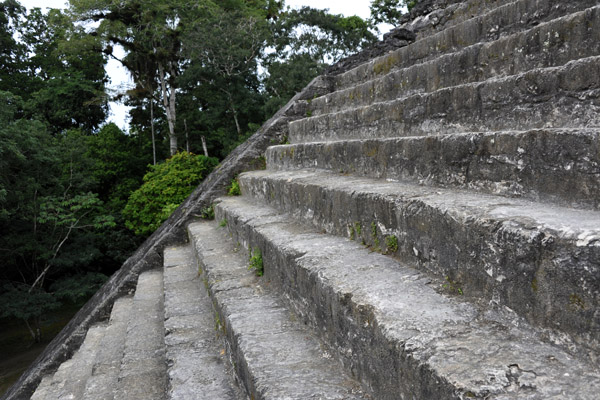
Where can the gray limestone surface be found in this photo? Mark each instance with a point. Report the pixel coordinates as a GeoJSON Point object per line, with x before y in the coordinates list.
{"type": "Point", "coordinates": [501, 20]}
{"type": "Point", "coordinates": [275, 355]}
{"type": "Point", "coordinates": [562, 40]}
{"type": "Point", "coordinates": [551, 165]}
{"type": "Point", "coordinates": [68, 382]}
{"type": "Point", "coordinates": [567, 96]}
{"type": "Point", "coordinates": [102, 385]}
{"type": "Point", "coordinates": [197, 366]}
{"type": "Point", "coordinates": [394, 327]}
{"type": "Point", "coordinates": [143, 369]}
{"type": "Point", "coordinates": [541, 260]}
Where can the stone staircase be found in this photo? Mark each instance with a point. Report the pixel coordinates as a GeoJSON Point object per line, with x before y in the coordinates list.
{"type": "Point", "coordinates": [430, 231]}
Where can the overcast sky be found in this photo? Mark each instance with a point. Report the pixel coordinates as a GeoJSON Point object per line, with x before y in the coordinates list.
{"type": "Point", "coordinates": [120, 78]}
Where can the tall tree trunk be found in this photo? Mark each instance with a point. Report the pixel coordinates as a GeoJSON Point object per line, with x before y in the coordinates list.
{"type": "Point", "coordinates": [204, 145]}
{"type": "Point", "coordinates": [234, 111]}
{"type": "Point", "coordinates": [169, 104]}
{"type": "Point", "coordinates": [235, 118]}
{"type": "Point", "coordinates": [187, 139]}
{"type": "Point", "coordinates": [152, 130]}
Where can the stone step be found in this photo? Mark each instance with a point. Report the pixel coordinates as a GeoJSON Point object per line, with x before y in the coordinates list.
{"type": "Point", "coordinates": [503, 20]}
{"type": "Point", "coordinates": [195, 354]}
{"type": "Point", "coordinates": [549, 44]}
{"type": "Point", "coordinates": [143, 369]}
{"type": "Point", "coordinates": [102, 384]}
{"type": "Point", "coordinates": [567, 96]}
{"type": "Point", "coordinates": [69, 380]}
{"type": "Point", "coordinates": [542, 261]}
{"type": "Point", "coordinates": [560, 166]}
{"type": "Point", "coordinates": [399, 331]}
{"type": "Point", "coordinates": [451, 13]}
{"type": "Point", "coordinates": [275, 356]}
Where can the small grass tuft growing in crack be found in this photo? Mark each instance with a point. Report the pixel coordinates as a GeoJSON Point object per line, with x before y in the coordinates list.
{"type": "Point", "coordinates": [256, 262]}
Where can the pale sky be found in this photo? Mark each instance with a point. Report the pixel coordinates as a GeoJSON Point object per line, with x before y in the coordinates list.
{"type": "Point", "coordinates": [120, 79]}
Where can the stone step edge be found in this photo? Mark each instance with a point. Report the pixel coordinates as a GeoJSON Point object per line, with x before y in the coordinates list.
{"type": "Point", "coordinates": [473, 107]}
{"type": "Point", "coordinates": [289, 374]}
{"type": "Point", "coordinates": [404, 77]}
{"type": "Point", "coordinates": [496, 80]}
{"type": "Point", "coordinates": [427, 23]}
{"type": "Point", "coordinates": [437, 345]}
{"type": "Point", "coordinates": [560, 166]}
{"type": "Point", "coordinates": [142, 373]}
{"type": "Point", "coordinates": [63, 382]}
{"type": "Point", "coordinates": [385, 65]}
{"type": "Point", "coordinates": [196, 363]}
{"type": "Point", "coordinates": [468, 238]}
{"type": "Point", "coordinates": [105, 370]}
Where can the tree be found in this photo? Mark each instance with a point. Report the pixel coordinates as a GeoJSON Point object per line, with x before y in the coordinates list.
{"type": "Point", "coordinates": [304, 42]}
{"type": "Point", "coordinates": [165, 187]}
{"type": "Point", "coordinates": [48, 216]}
{"type": "Point", "coordinates": [221, 97]}
{"type": "Point", "coordinates": [117, 165]}
{"type": "Point", "coordinates": [13, 54]}
{"type": "Point", "coordinates": [149, 31]}
{"type": "Point", "coordinates": [390, 11]}
{"type": "Point", "coordinates": [66, 70]}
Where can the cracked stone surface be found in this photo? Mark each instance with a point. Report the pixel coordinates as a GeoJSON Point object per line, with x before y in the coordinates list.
{"type": "Point", "coordinates": [68, 383]}
{"type": "Point", "coordinates": [196, 353]}
{"type": "Point", "coordinates": [395, 328]}
{"type": "Point", "coordinates": [275, 356]}
{"type": "Point", "coordinates": [534, 258]}
{"type": "Point", "coordinates": [102, 385]}
{"type": "Point", "coordinates": [143, 368]}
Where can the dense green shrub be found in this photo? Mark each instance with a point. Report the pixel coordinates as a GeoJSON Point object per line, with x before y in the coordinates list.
{"type": "Point", "coordinates": [165, 187]}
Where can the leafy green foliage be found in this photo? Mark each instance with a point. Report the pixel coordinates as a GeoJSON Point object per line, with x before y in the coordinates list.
{"type": "Point", "coordinates": [390, 11]}
{"type": "Point", "coordinates": [452, 286]}
{"type": "Point", "coordinates": [391, 243]}
{"type": "Point", "coordinates": [305, 41]}
{"type": "Point", "coordinates": [118, 165]}
{"type": "Point", "coordinates": [165, 186]}
{"type": "Point", "coordinates": [67, 89]}
{"type": "Point", "coordinates": [208, 213]}
{"type": "Point", "coordinates": [77, 289]}
{"type": "Point", "coordinates": [234, 188]}
{"type": "Point", "coordinates": [256, 262]}
{"type": "Point", "coordinates": [17, 301]}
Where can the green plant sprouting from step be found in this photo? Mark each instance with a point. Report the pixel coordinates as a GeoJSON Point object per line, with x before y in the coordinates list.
{"type": "Point", "coordinates": [375, 237]}
{"type": "Point", "coordinates": [391, 244]}
{"type": "Point", "coordinates": [358, 229]}
{"type": "Point", "coordinates": [355, 230]}
{"type": "Point", "coordinates": [223, 223]}
{"type": "Point", "coordinates": [208, 213]}
{"type": "Point", "coordinates": [256, 262]}
{"type": "Point", "coordinates": [234, 188]}
{"type": "Point", "coordinates": [219, 326]}
{"type": "Point", "coordinates": [452, 286]}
